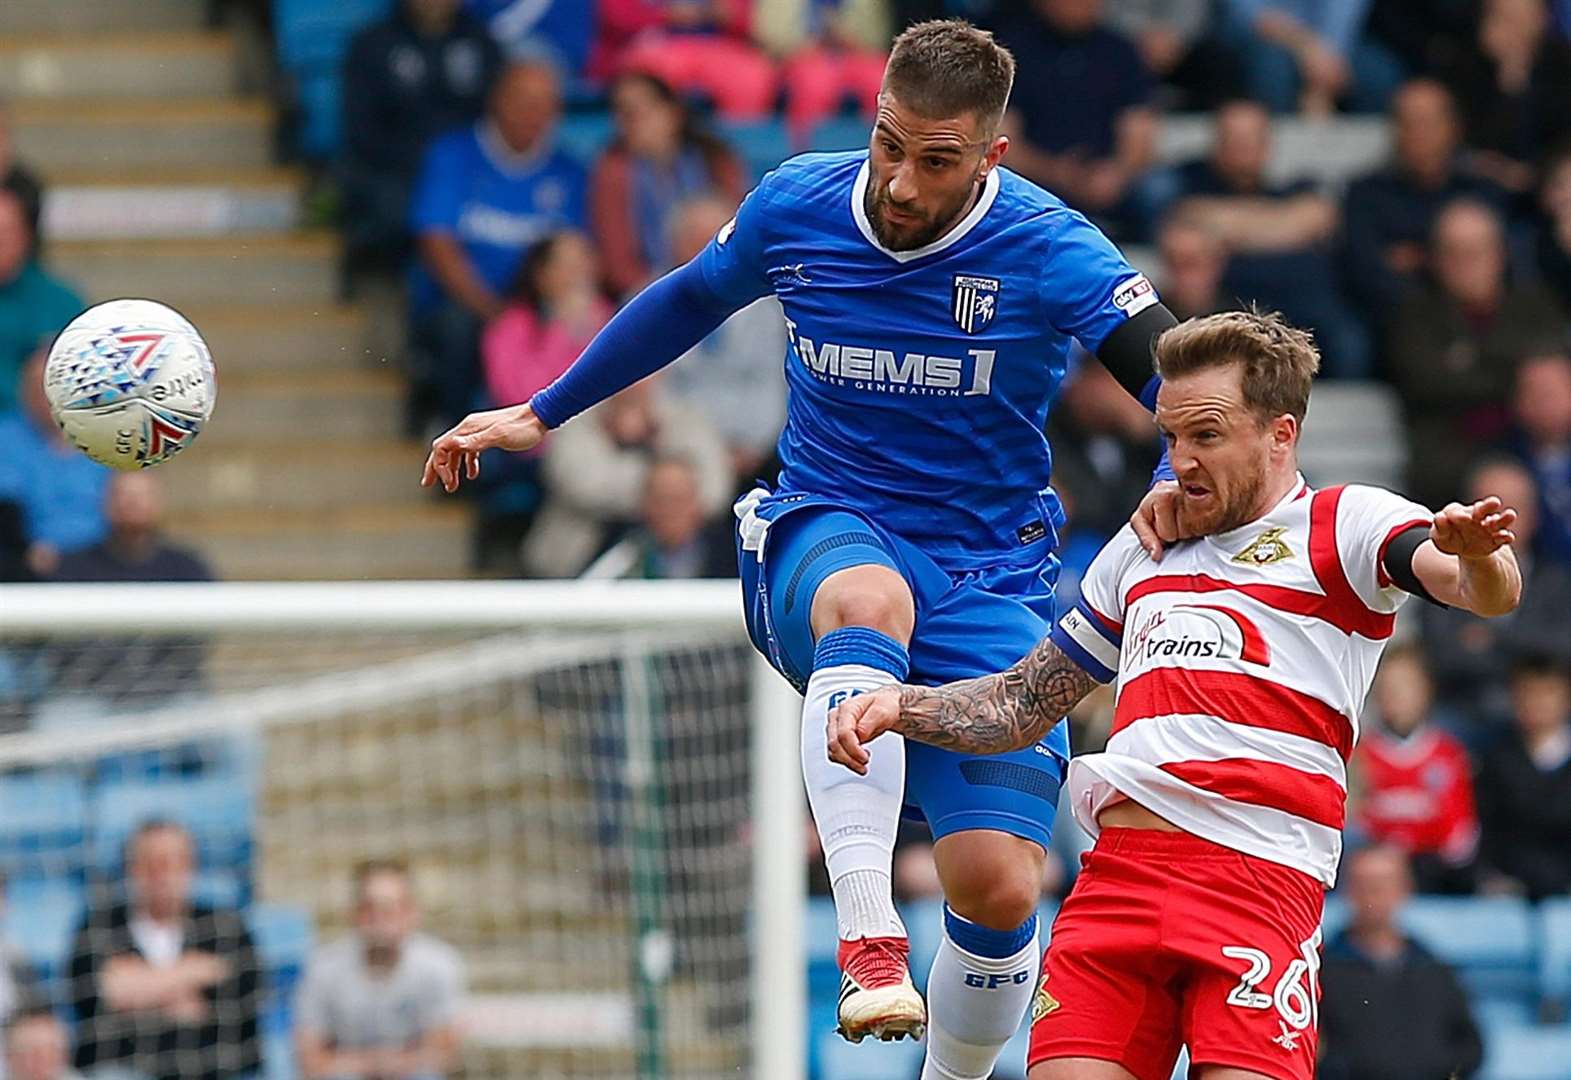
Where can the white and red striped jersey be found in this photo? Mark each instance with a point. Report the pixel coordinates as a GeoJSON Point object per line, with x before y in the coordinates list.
{"type": "Point", "coordinates": [1242, 662]}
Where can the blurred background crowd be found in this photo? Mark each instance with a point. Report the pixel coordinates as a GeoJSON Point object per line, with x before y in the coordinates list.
{"type": "Point", "coordinates": [499, 175]}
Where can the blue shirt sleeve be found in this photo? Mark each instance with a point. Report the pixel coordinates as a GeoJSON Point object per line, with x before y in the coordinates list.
{"type": "Point", "coordinates": [1088, 288]}
{"type": "Point", "coordinates": [439, 194]}
{"type": "Point", "coordinates": [733, 263]}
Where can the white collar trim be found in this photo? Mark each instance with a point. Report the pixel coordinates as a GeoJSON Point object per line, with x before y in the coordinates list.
{"type": "Point", "coordinates": [949, 239]}
{"type": "Point", "coordinates": [505, 158]}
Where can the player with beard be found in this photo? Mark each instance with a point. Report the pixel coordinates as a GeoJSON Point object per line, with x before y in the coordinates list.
{"type": "Point", "coordinates": [931, 299]}
{"type": "Point", "coordinates": [1242, 661]}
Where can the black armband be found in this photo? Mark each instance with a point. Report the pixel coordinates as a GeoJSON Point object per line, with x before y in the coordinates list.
{"type": "Point", "coordinates": [1128, 351]}
{"type": "Point", "coordinates": [1398, 561]}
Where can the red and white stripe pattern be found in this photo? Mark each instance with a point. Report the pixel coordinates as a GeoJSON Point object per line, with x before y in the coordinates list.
{"type": "Point", "coordinates": [1242, 661]}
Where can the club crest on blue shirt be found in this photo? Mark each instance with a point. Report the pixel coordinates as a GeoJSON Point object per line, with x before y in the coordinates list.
{"type": "Point", "coordinates": [975, 302]}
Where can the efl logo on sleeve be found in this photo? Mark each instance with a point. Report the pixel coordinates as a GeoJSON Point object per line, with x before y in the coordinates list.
{"type": "Point", "coordinates": [1134, 296]}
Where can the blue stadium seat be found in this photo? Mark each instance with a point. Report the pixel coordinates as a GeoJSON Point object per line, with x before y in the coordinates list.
{"type": "Point", "coordinates": [313, 38]}
{"type": "Point", "coordinates": [1554, 958]}
{"type": "Point", "coordinates": [43, 824]}
{"type": "Point", "coordinates": [219, 889]}
{"type": "Point", "coordinates": [1527, 1052]}
{"type": "Point", "coordinates": [841, 133]}
{"type": "Point", "coordinates": [41, 918]}
{"type": "Point", "coordinates": [219, 811]}
{"type": "Point", "coordinates": [924, 921]}
{"type": "Point", "coordinates": [311, 34]}
{"type": "Point", "coordinates": [278, 1056]}
{"type": "Point", "coordinates": [582, 135]}
{"type": "Point", "coordinates": [1490, 940]}
{"type": "Point", "coordinates": [761, 144]}
{"type": "Point", "coordinates": [284, 935]}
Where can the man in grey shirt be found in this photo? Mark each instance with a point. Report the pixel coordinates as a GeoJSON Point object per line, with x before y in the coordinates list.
{"type": "Point", "coordinates": [382, 1002]}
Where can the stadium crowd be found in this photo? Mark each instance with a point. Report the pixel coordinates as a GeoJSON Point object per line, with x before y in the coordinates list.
{"type": "Point", "coordinates": [1444, 275]}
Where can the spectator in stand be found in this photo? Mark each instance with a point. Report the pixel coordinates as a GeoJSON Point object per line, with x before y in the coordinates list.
{"type": "Point", "coordinates": [834, 51]}
{"type": "Point", "coordinates": [1452, 348]}
{"type": "Point", "coordinates": [554, 310]}
{"type": "Point", "coordinates": [597, 469]}
{"type": "Point", "coordinates": [1421, 36]}
{"type": "Point", "coordinates": [34, 305]}
{"type": "Point", "coordinates": [1177, 43]}
{"type": "Point", "coordinates": [1081, 124]}
{"type": "Point", "coordinates": [1554, 224]}
{"type": "Point", "coordinates": [1278, 235]}
{"type": "Point", "coordinates": [1388, 1007]}
{"type": "Point", "coordinates": [735, 376]}
{"type": "Point", "coordinates": [1524, 786]}
{"type": "Point", "coordinates": [560, 29]}
{"type": "Point", "coordinates": [115, 669]}
{"type": "Point", "coordinates": [1193, 264]}
{"type": "Point", "coordinates": [381, 1003]}
{"type": "Point", "coordinates": [674, 538]}
{"type": "Point", "coordinates": [162, 987]}
{"type": "Point", "coordinates": [487, 194]}
{"type": "Point", "coordinates": [60, 490]}
{"type": "Point", "coordinates": [1542, 407]}
{"type": "Point", "coordinates": [1105, 447]}
{"type": "Point", "coordinates": [1389, 215]}
{"type": "Point", "coordinates": [1306, 55]}
{"type": "Point", "coordinates": [660, 157]}
{"type": "Point", "coordinates": [1413, 781]}
{"type": "Point", "coordinates": [692, 45]}
{"type": "Point", "coordinates": [1471, 657]}
{"type": "Point", "coordinates": [1514, 85]}
{"type": "Point", "coordinates": [36, 1046]}
{"type": "Point", "coordinates": [18, 179]}
{"type": "Point", "coordinates": [421, 71]}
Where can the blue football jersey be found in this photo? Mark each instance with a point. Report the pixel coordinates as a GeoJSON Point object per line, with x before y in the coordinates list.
{"type": "Point", "coordinates": [920, 380]}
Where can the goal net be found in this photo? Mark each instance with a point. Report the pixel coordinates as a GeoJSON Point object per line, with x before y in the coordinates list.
{"type": "Point", "coordinates": [569, 771]}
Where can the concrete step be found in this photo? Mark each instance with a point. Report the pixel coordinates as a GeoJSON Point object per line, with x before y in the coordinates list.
{"type": "Point", "coordinates": [290, 269]}
{"type": "Point", "coordinates": [115, 137]}
{"type": "Point", "coordinates": [340, 544]}
{"type": "Point", "coordinates": [96, 16]}
{"type": "Point", "coordinates": [104, 208]}
{"type": "Point", "coordinates": [248, 340]}
{"type": "Point", "coordinates": [283, 408]}
{"type": "Point", "coordinates": [160, 64]}
{"type": "Point", "coordinates": [297, 476]}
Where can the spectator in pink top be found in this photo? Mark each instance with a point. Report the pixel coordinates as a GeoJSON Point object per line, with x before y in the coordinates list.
{"type": "Point", "coordinates": [702, 45]}
{"type": "Point", "coordinates": [554, 311]}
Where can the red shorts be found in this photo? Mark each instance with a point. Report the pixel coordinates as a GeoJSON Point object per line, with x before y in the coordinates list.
{"type": "Point", "coordinates": [1169, 940]}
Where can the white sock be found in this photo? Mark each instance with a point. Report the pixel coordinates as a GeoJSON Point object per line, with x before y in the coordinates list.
{"type": "Point", "coordinates": [976, 1003]}
{"type": "Point", "coordinates": [857, 816]}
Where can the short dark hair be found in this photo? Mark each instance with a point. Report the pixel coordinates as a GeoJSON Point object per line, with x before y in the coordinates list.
{"type": "Point", "coordinates": [370, 868]}
{"type": "Point", "coordinates": [147, 827]}
{"type": "Point", "coordinates": [1279, 360]}
{"type": "Point", "coordinates": [947, 67]}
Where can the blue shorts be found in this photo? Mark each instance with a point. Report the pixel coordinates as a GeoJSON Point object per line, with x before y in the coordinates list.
{"type": "Point", "coordinates": [967, 624]}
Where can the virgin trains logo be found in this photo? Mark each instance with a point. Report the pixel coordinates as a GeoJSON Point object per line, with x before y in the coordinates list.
{"type": "Point", "coordinates": [1195, 631]}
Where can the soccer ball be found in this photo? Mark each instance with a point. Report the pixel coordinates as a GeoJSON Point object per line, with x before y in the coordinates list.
{"type": "Point", "coordinates": [130, 382]}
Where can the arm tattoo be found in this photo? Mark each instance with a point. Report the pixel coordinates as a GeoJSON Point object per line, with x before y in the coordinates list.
{"type": "Point", "coordinates": [996, 713]}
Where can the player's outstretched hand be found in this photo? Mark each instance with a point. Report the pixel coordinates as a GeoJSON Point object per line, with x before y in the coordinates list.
{"type": "Point", "coordinates": [1155, 520]}
{"type": "Point", "coordinates": [455, 454]}
{"type": "Point", "coordinates": [859, 720]}
{"type": "Point", "coordinates": [1475, 531]}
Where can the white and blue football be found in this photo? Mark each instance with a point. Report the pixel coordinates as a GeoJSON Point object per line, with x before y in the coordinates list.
{"type": "Point", "coordinates": [131, 383]}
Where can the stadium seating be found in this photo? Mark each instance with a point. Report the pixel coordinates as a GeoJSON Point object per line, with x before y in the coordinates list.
{"type": "Point", "coordinates": [1554, 956]}
{"type": "Point", "coordinates": [312, 40]}
{"type": "Point", "coordinates": [43, 826]}
{"type": "Point", "coordinates": [1490, 940]}
{"type": "Point", "coordinates": [219, 811]}
{"type": "Point", "coordinates": [1352, 435]}
{"type": "Point", "coordinates": [41, 918]}
{"type": "Point", "coordinates": [1527, 1052]}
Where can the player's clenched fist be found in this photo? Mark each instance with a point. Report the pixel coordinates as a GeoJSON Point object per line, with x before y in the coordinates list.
{"type": "Point", "coordinates": [455, 454]}
{"type": "Point", "coordinates": [859, 720]}
{"type": "Point", "coordinates": [1473, 532]}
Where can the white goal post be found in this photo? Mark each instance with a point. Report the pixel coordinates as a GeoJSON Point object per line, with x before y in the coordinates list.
{"type": "Point", "coordinates": [498, 628]}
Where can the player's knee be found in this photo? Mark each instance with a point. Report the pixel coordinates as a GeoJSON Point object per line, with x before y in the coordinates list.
{"type": "Point", "coordinates": [871, 596]}
{"type": "Point", "coordinates": [1002, 903]}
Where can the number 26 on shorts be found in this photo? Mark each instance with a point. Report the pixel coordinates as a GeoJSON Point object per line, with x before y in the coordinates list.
{"type": "Point", "coordinates": [1296, 994]}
